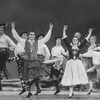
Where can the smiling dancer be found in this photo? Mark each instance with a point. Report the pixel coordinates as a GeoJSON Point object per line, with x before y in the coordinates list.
{"type": "Point", "coordinates": [35, 70]}
{"type": "Point", "coordinates": [74, 72]}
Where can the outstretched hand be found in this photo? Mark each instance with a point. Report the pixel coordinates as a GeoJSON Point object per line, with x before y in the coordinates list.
{"type": "Point", "coordinates": [50, 25]}
{"type": "Point", "coordinates": [13, 24]}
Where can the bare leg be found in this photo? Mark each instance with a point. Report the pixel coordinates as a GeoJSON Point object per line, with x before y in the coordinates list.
{"type": "Point", "coordinates": [90, 88]}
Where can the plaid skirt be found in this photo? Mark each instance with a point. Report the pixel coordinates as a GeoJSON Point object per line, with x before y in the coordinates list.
{"type": "Point", "coordinates": [34, 69]}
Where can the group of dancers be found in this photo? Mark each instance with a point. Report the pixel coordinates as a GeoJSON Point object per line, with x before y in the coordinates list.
{"type": "Point", "coordinates": [35, 61]}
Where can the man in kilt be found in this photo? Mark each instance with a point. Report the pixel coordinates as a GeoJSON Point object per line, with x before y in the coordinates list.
{"type": "Point", "coordinates": [32, 68]}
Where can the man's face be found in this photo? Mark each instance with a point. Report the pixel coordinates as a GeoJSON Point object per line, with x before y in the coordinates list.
{"type": "Point", "coordinates": [77, 34]}
{"type": "Point", "coordinates": [31, 35]}
{"type": "Point", "coordinates": [58, 41]}
{"type": "Point", "coordinates": [1, 29]}
{"type": "Point", "coordinates": [24, 36]}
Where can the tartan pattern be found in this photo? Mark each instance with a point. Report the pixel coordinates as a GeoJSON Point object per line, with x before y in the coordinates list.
{"type": "Point", "coordinates": [35, 69]}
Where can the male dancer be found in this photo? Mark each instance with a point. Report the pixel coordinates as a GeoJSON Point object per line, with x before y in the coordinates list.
{"type": "Point", "coordinates": [5, 44]}
{"type": "Point", "coordinates": [31, 47]}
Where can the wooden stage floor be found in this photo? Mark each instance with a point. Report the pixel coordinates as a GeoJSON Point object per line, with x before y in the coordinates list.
{"type": "Point", "coordinates": [47, 95]}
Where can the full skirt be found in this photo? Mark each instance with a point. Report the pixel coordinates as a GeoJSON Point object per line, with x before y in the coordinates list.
{"type": "Point", "coordinates": [74, 73]}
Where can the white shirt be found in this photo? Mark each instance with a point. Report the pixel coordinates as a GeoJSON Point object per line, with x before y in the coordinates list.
{"type": "Point", "coordinates": [57, 51]}
{"type": "Point", "coordinates": [6, 42]}
{"type": "Point", "coordinates": [22, 41]}
{"type": "Point", "coordinates": [19, 49]}
{"type": "Point", "coordinates": [95, 56]}
{"type": "Point", "coordinates": [44, 50]}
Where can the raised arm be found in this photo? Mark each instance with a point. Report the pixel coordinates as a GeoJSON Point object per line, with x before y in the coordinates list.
{"type": "Point", "coordinates": [47, 37]}
{"type": "Point", "coordinates": [15, 34]}
{"type": "Point", "coordinates": [86, 39]}
{"type": "Point", "coordinates": [65, 36]}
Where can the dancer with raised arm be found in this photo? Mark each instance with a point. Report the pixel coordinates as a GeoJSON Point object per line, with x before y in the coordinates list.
{"type": "Point", "coordinates": [43, 51]}
{"type": "Point", "coordinates": [74, 72]}
{"type": "Point", "coordinates": [33, 70]}
{"type": "Point", "coordinates": [19, 57]}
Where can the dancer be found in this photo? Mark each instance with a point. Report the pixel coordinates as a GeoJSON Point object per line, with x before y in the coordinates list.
{"type": "Point", "coordinates": [93, 74]}
{"type": "Point", "coordinates": [35, 70]}
{"type": "Point", "coordinates": [57, 52]}
{"type": "Point", "coordinates": [19, 57]}
{"type": "Point", "coordinates": [43, 51]}
{"type": "Point", "coordinates": [5, 44]}
{"type": "Point", "coordinates": [74, 72]}
{"type": "Point", "coordinates": [56, 63]}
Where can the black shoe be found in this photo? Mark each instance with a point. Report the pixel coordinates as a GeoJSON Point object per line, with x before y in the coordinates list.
{"type": "Point", "coordinates": [71, 95]}
{"type": "Point", "coordinates": [29, 95]}
{"type": "Point", "coordinates": [39, 91]}
{"type": "Point", "coordinates": [89, 92]}
{"type": "Point", "coordinates": [23, 90]}
{"type": "Point", "coordinates": [0, 88]}
{"type": "Point", "coordinates": [56, 92]}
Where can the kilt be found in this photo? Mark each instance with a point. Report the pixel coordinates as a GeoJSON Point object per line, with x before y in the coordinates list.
{"type": "Point", "coordinates": [34, 69]}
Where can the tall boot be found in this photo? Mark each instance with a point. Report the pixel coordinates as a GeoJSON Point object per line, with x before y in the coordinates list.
{"type": "Point", "coordinates": [56, 82]}
{"type": "Point", "coordinates": [37, 86]}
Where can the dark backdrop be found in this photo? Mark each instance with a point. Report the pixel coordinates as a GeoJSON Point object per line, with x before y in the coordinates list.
{"type": "Point", "coordinates": [30, 15]}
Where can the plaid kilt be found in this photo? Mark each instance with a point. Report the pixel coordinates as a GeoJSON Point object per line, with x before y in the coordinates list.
{"type": "Point", "coordinates": [34, 69]}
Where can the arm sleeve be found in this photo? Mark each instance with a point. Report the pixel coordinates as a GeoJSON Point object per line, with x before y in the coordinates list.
{"type": "Point", "coordinates": [66, 43]}
{"type": "Point", "coordinates": [47, 53]}
{"type": "Point", "coordinates": [45, 39]}
{"type": "Point", "coordinates": [83, 44]}
{"type": "Point", "coordinates": [17, 37]}
{"type": "Point", "coordinates": [87, 54]}
{"type": "Point", "coordinates": [11, 44]}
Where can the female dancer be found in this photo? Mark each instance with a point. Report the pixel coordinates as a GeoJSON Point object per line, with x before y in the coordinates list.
{"type": "Point", "coordinates": [91, 75]}
{"type": "Point", "coordinates": [74, 72]}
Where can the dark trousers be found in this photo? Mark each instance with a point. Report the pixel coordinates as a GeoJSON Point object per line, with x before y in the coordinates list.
{"type": "Point", "coordinates": [3, 59]}
{"type": "Point", "coordinates": [55, 77]}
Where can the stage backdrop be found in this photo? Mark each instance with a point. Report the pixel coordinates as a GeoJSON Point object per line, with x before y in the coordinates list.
{"type": "Point", "coordinates": [35, 15]}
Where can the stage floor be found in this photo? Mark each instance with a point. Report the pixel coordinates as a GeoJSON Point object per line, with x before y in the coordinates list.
{"type": "Point", "coordinates": [47, 95]}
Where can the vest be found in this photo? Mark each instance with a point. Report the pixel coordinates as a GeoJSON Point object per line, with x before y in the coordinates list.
{"type": "Point", "coordinates": [31, 55]}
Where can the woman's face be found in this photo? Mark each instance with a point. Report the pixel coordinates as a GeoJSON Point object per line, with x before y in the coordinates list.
{"type": "Point", "coordinates": [92, 40]}
{"type": "Point", "coordinates": [75, 41]}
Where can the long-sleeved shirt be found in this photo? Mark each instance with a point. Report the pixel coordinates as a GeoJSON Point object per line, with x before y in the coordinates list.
{"type": "Point", "coordinates": [19, 49]}
{"type": "Point", "coordinates": [44, 50]}
{"type": "Point", "coordinates": [95, 56]}
{"type": "Point", "coordinates": [6, 42]}
{"type": "Point", "coordinates": [40, 42]}
{"type": "Point", "coordinates": [57, 51]}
